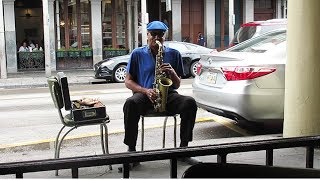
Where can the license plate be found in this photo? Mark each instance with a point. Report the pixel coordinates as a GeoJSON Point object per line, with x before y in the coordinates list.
{"type": "Point", "coordinates": [211, 78]}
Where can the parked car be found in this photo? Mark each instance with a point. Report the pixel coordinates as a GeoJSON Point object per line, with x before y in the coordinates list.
{"type": "Point", "coordinates": [114, 69]}
{"type": "Point", "coordinates": [245, 82]}
{"type": "Point", "coordinates": [256, 28]}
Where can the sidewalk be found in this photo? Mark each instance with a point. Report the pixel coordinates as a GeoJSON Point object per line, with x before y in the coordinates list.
{"type": "Point", "coordinates": [39, 79]}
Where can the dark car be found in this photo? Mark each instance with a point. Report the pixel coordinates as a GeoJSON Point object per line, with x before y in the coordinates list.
{"type": "Point", "coordinates": [114, 69]}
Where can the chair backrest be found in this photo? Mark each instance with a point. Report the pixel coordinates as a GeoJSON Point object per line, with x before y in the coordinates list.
{"type": "Point", "coordinates": [55, 92]}
{"type": "Point", "coordinates": [63, 82]}
{"type": "Point", "coordinates": [230, 170]}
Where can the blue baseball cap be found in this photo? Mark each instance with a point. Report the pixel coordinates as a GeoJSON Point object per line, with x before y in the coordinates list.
{"type": "Point", "coordinates": [157, 25]}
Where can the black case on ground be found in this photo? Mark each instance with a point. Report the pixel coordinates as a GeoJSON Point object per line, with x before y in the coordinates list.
{"type": "Point", "coordinates": [83, 113]}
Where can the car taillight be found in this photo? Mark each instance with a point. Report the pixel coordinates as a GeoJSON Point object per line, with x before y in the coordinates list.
{"type": "Point", "coordinates": [245, 73]}
{"type": "Point", "coordinates": [199, 67]}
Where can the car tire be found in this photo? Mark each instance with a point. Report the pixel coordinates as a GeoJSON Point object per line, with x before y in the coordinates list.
{"type": "Point", "coordinates": [193, 68]}
{"type": "Point", "coordinates": [119, 73]}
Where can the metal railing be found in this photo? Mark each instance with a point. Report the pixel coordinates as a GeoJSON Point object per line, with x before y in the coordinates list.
{"type": "Point", "coordinates": [221, 150]}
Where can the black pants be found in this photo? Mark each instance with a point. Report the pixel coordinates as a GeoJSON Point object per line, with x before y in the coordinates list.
{"type": "Point", "coordinates": [138, 104]}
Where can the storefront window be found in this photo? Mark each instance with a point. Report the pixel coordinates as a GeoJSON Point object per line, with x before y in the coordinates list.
{"type": "Point", "coordinates": [73, 27]}
{"type": "Point", "coordinates": [114, 23]}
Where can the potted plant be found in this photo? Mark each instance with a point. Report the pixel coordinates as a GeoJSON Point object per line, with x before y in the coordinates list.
{"type": "Point", "coordinates": [74, 52]}
{"type": "Point", "coordinates": [61, 53]}
{"type": "Point", "coordinates": [86, 52]}
{"type": "Point", "coordinates": [112, 52]}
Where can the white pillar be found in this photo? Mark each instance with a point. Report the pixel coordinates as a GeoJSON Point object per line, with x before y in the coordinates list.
{"type": "Point", "coordinates": [248, 11]}
{"type": "Point", "coordinates": [209, 22]}
{"type": "Point", "coordinates": [302, 85]}
{"type": "Point", "coordinates": [52, 37]}
{"type": "Point", "coordinates": [3, 59]}
{"type": "Point", "coordinates": [176, 20]}
{"type": "Point", "coordinates": [96, 31]}
{"type": "Point", "coordinates": [144, 21]}
{"type": "Point", "coordinates": [10, 35]}
{"type": "Point", "coordinates": [129, 25]}
{"type": "Point", "coordinates": [58, 24]}
{"type": "Point", "coordinates": [136, 23]}
{"type": "Point", "coordinates": [46, 34]}
{"type": "Point", "coordinates": [231, 20]}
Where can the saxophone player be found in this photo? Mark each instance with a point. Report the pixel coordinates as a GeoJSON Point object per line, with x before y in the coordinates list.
{"type": "Point", "coordinates": [140, 79]}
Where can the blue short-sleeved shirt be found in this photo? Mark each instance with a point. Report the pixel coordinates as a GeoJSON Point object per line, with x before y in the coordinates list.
{"type": "Point", "coordinates": [141, 65]}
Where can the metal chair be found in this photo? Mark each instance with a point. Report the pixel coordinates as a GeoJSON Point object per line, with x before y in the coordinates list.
{"type": "Point", "coordinates": [68, 121]}
{"type": "Point", "coordinates": [166, 115]}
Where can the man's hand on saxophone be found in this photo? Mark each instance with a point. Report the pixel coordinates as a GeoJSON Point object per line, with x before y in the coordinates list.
{"type": "Point", "coordinates": [171, 73]}
{"type": "Point", "coordinates": [152, 95]}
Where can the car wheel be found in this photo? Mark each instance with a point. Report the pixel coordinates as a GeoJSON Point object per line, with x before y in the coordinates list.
{"type": "Point", "coordinates": [119, 73]}
{"type": "Point", "coordinates": [193, 68]}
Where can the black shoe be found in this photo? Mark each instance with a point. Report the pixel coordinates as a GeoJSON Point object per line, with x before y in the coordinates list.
{"type": "Point", "coordinates": [189, 160]}
{"type": "Point", "coordinates": [131, 166]}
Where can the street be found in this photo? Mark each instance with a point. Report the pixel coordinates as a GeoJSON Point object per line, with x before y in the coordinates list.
{"type": "Point", "coordinates": [28, 115]}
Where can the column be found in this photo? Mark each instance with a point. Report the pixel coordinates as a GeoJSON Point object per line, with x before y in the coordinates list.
{"type": "Point", "coordinates": [3, 59]}
{"type": "Point", "coordinates": [58, 24]}
{"type": "Point", "coordinates": [209, 22]}
{"type": "Point", "coordinates": [52, 39]}
{"type": "Point", "coordinates": [10, 35]}
{"type": "Point", "coordinates": [176, 20]}
{"type": "Point", "coordinates": [302, 85]}
{"type": "Point", "coordinates": [144, 21]}
{"type": "Point", "coordinates": [248, 11]}
{"type": "Point", "coordinates": [231, 20]}
{"type": "Point", "coordinates": [129, 25]}
{"type": "Point", "coordinates": [136, 23]}
{"type": "Point", "coordinates": [48, 19]}
{"type": "Point", "coordinates": [96, 31]}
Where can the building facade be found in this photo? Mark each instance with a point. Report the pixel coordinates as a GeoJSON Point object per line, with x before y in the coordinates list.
{"type": "Point", "coordinates": [90, 29]}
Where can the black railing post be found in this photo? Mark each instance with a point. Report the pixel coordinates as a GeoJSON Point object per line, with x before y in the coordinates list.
{"type": "Point", "coordinates": [125, 170]}
{"type": "Point", "coordinates": [269, 157]}
{"type": "Point", "coordinates": [75, 172]}
{"type": "Point", "coordinates": [222, 158]}
{"type": "Point", "coordinates": [173, 168]}
{"type": "Point", "coordinates": [19, 175]}
{"type": "Point", "coordinates": [309, 156]}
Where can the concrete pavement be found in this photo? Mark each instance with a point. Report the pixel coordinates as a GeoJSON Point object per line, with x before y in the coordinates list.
{"type": "Point", "coordinates": [90, 144]}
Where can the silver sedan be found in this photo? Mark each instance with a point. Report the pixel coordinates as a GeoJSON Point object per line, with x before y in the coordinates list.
{"type": "Point", "coordinates": [245, 82]}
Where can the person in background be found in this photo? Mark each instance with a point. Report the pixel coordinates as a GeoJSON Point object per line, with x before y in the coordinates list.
{"type": "Point", "coordinates": [37, 48]}
{"type": "Point", "coordinates": [23, 47]}
{"type": "Point", "coordinates": [201, 40]}
{"type": "Point", "coordinates": [140, 78]}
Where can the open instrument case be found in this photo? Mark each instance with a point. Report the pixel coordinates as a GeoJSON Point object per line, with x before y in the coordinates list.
{"type": "Point", "coordinates": [82, 112]}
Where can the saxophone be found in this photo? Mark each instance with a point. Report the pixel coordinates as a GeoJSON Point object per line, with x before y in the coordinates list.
{"type": "Point", "coordinates": [161, 82]}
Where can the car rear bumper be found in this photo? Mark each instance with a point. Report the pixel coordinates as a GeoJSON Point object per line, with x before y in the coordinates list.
{"type": "Point", "coordinates": [247, 102]}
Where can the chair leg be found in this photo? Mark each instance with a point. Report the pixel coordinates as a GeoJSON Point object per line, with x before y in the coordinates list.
{"type": "Point", "coordinates": [102, 139]}
{"type": "Point", "coordinates": [142, 133]}
{"type": "Point", "coordinates": [57, 141]}
{"type": "Point", "coordinates": [164, 132]}
{"type": "Point", "coordinates": [59, 145]}
{"type": "Point", "coordinates": [175, 131]}
{"type": "Point", "coordinates": [56, 146]}
{"type": "Point", "coordinates": [105, 140]}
